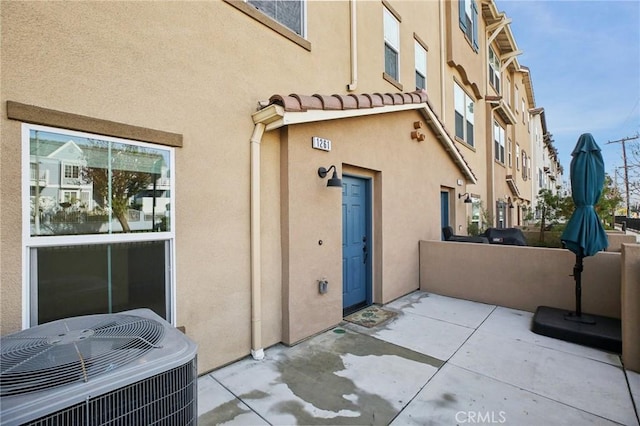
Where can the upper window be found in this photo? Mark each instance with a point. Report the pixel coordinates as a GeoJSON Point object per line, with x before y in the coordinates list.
{"type": "Point", "coordinates": [464, 115]}
{"type": "Point", "coordinates": [391, 45]}
{"type": "Point", "coordinates": [468, 17]}
{"type": "Point", "coordinates": [498, 141]}
{"type": "Point", "coordinates": [289, 13]}
{"type": "Point", "coordinates": [524, 165]}
{"type": "Point", "coordinates": [516, 97]}
{"type": "Point", "coordinates": [509, 154]}
{"type": "Point", "coordinates": [524, 114]}
{"type": "Point", "coordinates": [421, 65]}
{"type": "Point", "coordinates": [517, 157]}
{"type": "Point", "coordinates": [494, 70]}
{"type": "Point", "coordinates": [97, 216]}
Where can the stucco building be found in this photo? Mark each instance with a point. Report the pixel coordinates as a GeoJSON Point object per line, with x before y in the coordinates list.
{"type": "Point", "coordinates": [169, 155]}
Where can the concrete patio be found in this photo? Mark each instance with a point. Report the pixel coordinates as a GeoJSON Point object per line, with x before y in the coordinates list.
{"type": "Point", "coordinates": [440, 361]}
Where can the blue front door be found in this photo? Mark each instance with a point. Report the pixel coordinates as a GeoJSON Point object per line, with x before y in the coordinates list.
{"type": "Point", "coordinates": [444, 211]}
{"type": "Point", "coordinates": [356, 243]}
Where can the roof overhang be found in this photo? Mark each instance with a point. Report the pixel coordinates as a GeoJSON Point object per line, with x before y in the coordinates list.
{"type": "Point", "coordinates": [512, 186]}
{"type": "Point", "coordinates": [502, 109]}
{"type": "Point", "coordinates": [275, 116]}
{"type": "Point", "coordinates": [499, 31]}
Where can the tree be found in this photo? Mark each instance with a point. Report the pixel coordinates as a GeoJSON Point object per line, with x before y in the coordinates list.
{"type": "Point", "coordinates": [127, 178]}
{"type": "Point", "coordinates": [609, 200]}
{"type": "Point", "coordinates": [551, 208]}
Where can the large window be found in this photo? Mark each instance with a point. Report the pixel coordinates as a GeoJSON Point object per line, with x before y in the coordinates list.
{"type": "Point", "coordinates": [468, 17]}
{"type": "Point", "coordinates": [494, 71]}
{"type": "Point", "coordinates": [99, 230]}
{"type": "Point", "coordinates": [391, 45]}
{"type": "Point", "coordinates": [464, 115]}
{"type": "Point", "coordinates": [421, 65]}
{"type": "Point", "coordinates": [498, 142]}
{"type": "Point", "coordinates": [289, 13]}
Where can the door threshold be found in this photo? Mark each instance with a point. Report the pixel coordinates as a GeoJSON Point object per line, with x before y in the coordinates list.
{"type": "Point", "coordinates": [351, 309]}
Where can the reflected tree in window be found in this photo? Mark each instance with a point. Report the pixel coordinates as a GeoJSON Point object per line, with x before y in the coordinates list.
{"type": "Point", "coordinates": [119, 172]}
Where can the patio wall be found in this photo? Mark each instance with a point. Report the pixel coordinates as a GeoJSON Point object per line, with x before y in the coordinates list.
{"type": "Point", "coordinates": [617, 239]}
{"type": "Point", "coordinates": [631, 306]}
{"type": "Point", "coordinates": [520, 277]}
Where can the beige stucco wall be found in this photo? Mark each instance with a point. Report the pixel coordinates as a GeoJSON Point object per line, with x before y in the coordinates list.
{"type": "Point", "coordinates": [198, 69]}
{"type": "Point", "coordinates": [631, 306]}
{"type": "Point", "coordinates": [407, 177]}
{"type": "Point", "coordinates": [520, 277]}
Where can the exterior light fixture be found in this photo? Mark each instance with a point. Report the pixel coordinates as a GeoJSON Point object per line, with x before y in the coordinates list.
{"type": "Point", "coordinates": [335, 180]}
{"type": "Point", "coordinates": [466, 200]}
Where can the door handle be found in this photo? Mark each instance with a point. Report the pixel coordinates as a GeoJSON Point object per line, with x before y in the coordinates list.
{"type": "Point", "coordinates": [365, 252]}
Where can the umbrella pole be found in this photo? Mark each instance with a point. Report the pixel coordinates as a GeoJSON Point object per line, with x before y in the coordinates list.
{"type": "Point", "coordinates": [577, 275]}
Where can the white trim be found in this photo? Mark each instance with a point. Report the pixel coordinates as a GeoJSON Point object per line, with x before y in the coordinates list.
{"type": "Point", "coordinates": [29, 241]}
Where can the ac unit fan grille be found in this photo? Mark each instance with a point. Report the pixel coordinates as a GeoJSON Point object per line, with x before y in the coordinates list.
{"type": "Point", "coordinates": [166, 399]}
{"type": "Point", "coordinates": [73, 350]}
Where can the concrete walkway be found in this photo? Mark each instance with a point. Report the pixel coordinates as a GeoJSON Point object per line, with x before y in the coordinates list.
{"type": "Point", "coordinates": [440, 361]}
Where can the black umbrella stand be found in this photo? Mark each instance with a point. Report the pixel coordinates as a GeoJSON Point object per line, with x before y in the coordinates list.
{"type": "Point", "coordinates": [589, 330]}
{"type": "Point", "coordinates": [577, 276]}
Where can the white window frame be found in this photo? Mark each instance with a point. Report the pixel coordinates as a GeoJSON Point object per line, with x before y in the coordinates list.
{"type": "Point", "coordinates": [498, 142]}
{"type": "Point", "coordinates": [464, 105]}
{"type": "Point", "coordinates": [509, 154]}
{"type": "Point", "coordinates": [391, 40]}
{"type": "Point", "coordinates": [421, 63]}
{"type": "Point", "coordinates": [517, 156]}
{"type": "Point", "coordinates": [494, 67]}
{"type": "Point", "coordinates": [36, 241]}
{"type": "Point", "coordinates": [516, 97]}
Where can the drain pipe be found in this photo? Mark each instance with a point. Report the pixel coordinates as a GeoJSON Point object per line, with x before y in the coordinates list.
{"type": "Point", "coordinates": [354, 48]}
{"type": "Point", "coordinates": [257, 352]}
{"type": "Point", "coordinates": [442, 61]}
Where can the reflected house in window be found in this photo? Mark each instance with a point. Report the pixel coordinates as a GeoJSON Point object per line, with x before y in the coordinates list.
{"type": "Point", "coordinates": [91, 186]}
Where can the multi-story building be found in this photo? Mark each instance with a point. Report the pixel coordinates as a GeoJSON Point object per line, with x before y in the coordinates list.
{"type": "Point", "coordinates": [250, 170]}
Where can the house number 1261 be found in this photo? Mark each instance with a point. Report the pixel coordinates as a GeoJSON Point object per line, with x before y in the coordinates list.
{"type": "Point", "coordinates": [320, 143]}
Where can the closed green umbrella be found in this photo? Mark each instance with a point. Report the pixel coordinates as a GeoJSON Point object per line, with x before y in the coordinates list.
{"type": "Point", "coordinates": [584, 234]}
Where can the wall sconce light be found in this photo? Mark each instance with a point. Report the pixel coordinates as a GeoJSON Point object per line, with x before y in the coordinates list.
{"type": "Point", "coordinates": [335, 180]}
{"type": "Point", "coordinates": [466, 200]}
{"type": "Point", "coordinates": [417, 133]}
{"type": "Point", "coordinates": [510, 205]}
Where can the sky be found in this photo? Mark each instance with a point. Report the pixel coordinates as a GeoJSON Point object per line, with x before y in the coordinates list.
{"type": "Point", "coordinates": [584, 58]}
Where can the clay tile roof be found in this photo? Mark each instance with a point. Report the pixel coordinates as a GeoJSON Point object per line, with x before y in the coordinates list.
{"type": "Point", "coordinates": [362, 101]}
{"type": "Point", "coordinates": [288, 102]}
{"type": "Point", "coordinates": [308, 102]}
{"type": "Point", "coordinates": [387, 99]}
{"type": "Point", "coordinates": [376, 99]}
{"type": "Point", "coordinates": [408, 99]}
{"type": "Point", "coordinates": [347, 101]}
{"type": "Point", "coordinates": [301, 103]}
{"type": "Point", "coordinates": [398, 99]}
{"type": "Point", "coordinates": [329, 102]}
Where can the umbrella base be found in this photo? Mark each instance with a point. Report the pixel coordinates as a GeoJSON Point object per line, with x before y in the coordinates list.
{"type": "Point", "coordinates": [588, 330]}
